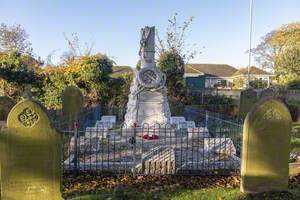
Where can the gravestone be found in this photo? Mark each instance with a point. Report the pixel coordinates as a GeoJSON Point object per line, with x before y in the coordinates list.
{"type": "Point", "coordinates": [31, 159]}
{"type": "Point", "coordinates": [266, 145]}
{"type": "Point", "coordinates": [176, 120]}
{"type": "Point", "coordinates": [191, 124]}
{"type": "Point", "coordinates": [198, 133]}
{"type": "Point", "coordinates": [182, 125]}
{"type": "Point", "coordinates": [109, 118]}
{"type": "Point", "coordinates": [72, 100]}
{"type": "Point", "coordinates": [247, 99]}
{"type": "Point", "coordinates": [72, 103]}
{"type": "Point", "coordinates": [6, 104]}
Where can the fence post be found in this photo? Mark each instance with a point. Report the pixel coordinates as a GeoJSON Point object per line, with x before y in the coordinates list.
{"type": "Point", "coordinates": [134, 149]}
{"type": "Point", "coordinates": [206, 118]}
{"type": "Point", "coordinates": [75, 170]}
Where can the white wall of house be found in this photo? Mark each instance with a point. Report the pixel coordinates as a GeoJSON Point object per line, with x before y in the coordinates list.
{"type": "Point", "coordinates": [262, 77]}
{"type": "Point", "coordinates": [227, 82]}
{"type": "Point", "coordinates": [211, 82]}
{"type": "Point", "coordinates": [192, 74]}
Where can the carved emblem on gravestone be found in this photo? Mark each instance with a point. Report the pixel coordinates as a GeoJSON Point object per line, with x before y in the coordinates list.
{"type": "Point", "coordinates": [28, 117]}
{"type": "Point", "coordinates": [272, 114]}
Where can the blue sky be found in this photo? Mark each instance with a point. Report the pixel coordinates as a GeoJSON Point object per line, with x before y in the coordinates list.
{"type": "Point", "coordinates": [113, 25]}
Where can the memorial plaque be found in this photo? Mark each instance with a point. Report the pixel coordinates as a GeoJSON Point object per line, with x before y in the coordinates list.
{"type": "Point", "coordinates": [266, 146]}
{"type": "Point", "coordinates": [31, 161]}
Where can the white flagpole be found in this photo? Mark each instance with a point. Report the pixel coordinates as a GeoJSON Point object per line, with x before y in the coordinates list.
{"type": "Point", "coordinates": [250, 42]}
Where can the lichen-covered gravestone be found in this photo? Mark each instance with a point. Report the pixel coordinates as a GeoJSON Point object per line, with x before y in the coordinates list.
{"type": "Point", "coordinates": [72, 103]}
{"type": "Point", "coordinates": [72, 100]}
{"type": "Point", "coordinates": [6, 104]}
{"type": "Point", "coordinates": [266, 145]}
{"type": "Point", "coordinates": [247, 100]}
{"type": "Point", "coordinates": [31, 159]}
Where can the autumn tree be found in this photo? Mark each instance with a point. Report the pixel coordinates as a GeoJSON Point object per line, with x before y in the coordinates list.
{"type": "Point", "coordinates": [14, 38]}
{"type": "Point", "coordinates": [16, 71]}
{"type": "Point", "coordinates": [89, 73]}
{"type": "Point", "coordinates": [287, 67]}
{"type": "Point", "coordinates": [275, 43]}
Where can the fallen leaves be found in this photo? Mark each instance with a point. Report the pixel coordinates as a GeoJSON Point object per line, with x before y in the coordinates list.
{"type": "Point", "coordinates": [87, 183]}
{"type": "Point", "coordinates": [74, 185]}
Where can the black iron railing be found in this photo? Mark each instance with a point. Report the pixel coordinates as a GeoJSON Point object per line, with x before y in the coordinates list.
{"type": "Point", "coordinates": [212, 147]}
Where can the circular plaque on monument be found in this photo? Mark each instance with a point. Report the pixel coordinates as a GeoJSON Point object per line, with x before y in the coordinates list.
{"type": "Point", "coordinates": [149, 77]}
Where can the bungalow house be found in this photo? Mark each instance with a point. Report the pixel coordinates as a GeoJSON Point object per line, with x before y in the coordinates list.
{"type": "Point", "coordinates": [264, 78]}
{"type": "Point", "coordinates": [203, 76]}
{"type": "Point", "coordinates": [222, 76]}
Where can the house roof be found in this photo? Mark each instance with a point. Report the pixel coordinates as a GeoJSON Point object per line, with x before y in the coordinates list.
{"type": "Point", "coordinates": [253, 70]}
{"type": "Point", "coordinates": [120, 70]}
{"type": "Point", "coordinates": [218, 70]}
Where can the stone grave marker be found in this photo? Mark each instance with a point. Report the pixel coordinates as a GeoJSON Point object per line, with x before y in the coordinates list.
{"type": "Point", "coordinates": [31, 159]}
{"type": "Point", "coordinates": [72, 100]}
{"type": "Point", "coordinates": [109, 118]}
{"type": "Point", "coordinates": [6, 104]}
{"type": "Point", "coordinates": [182, 125]}
{"type": "Point", "coordinates": [176, 120]}
{"type": "Point", "coordinates": [247, 99]}
{"type": "Point", "coordinates": [266, 145]}
{"type": "Point", "coordinates": [198, 133]}
{"type": "Point", "coordinates": [191, 124]}
{"type": "Point", "coordinates": [72, 103]}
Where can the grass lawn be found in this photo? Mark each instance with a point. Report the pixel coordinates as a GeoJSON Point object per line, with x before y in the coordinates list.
{"type": "Point", "coordinates": [216, 193]}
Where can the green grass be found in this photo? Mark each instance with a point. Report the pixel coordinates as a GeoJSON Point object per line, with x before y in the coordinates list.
{"type": "Point", "coordinates": [216, 193]}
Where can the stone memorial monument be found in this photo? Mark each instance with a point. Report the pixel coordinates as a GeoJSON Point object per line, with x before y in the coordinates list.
{"type": "Point", "coordinates": [31, 157]}
{"type": "Point", "coordinates": [266, 146]}
{"type": "Point", "coordinates": [148, 103]}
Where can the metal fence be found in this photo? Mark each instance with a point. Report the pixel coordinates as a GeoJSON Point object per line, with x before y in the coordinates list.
{"type": "Point", "coordinates": [87, 117]}
{"type": "Point", "coordinates": [212, 147]}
